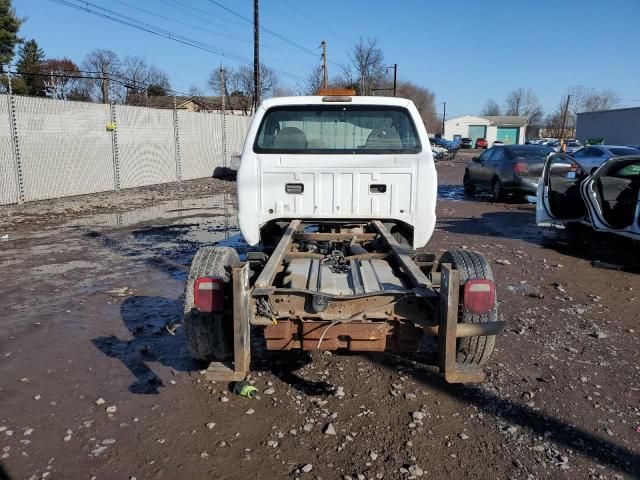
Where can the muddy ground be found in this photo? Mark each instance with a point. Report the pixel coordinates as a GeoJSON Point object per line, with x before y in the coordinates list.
{"type": "Point", "coordinates": [93, 386]}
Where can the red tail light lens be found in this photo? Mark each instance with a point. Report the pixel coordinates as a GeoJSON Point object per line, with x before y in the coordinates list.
{"type": "Point", "coordinates": [208, 294]}
{"type": "Point", "coordinates": [479, 296]}
{"type": "Point", "coordinates": [521, 168]}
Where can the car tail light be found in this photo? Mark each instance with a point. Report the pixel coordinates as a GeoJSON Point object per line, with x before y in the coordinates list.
{"type": "Point", "coordinates": [521, 168]}
{"type": "Point", "coordinates": [208, 294]}
{"type": "Point", "coordinates": [479, 295]}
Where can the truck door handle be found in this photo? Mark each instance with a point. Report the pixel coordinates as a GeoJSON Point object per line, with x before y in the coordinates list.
{"type": "Point", "coordinates": [377, 188]}
{"type": "Point", "coordinates": [294, 188]}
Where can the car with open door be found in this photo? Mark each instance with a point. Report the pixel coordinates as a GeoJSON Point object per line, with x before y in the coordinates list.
{"type": "Point", "coordinates": [607, 199]}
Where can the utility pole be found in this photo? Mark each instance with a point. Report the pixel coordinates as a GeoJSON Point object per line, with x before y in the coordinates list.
{"type": "Point", "coordinates": [444, 115]}
{"type": "Point", "coordinates": [223, 89]}
{"type": "Point", "coordinates": [325, 74]}
{"type": "Point", "coordinates": [105, 84]}
{"type": "Point", "coordinates": [256, 56]}
{"type": "Point", "coordinates": [395, 77]}
{"type": "Point", "coordinates": [564, 119]}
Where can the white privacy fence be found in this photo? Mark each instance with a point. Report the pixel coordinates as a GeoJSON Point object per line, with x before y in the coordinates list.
{"type": "Point", "coordinates": [54, 148]}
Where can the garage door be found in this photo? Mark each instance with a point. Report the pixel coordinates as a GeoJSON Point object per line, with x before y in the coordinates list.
{"type": "Point", "coordinates": [508, 135]}
{"type": "Point", "coordinates": [477, 131]}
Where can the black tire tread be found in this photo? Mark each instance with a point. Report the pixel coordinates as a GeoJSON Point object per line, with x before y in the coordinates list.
{"type": "Point", "coordinates": [470, 264]}
{"type": "Point", "coordinates": [209, 336]}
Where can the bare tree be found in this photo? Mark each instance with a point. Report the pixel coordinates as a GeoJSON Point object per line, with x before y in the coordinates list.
{"type": "Point", "coordinates": [60, 83]}
{"type": "Point", "coordinates": [524, 102]}
{"type": "Point", "coordinates": [141, 77]}
{"type": "Point", "coordinates": [424, 100]}
{"type": "Point", "coordinates": [367, 69]}
{"type": "Point", "coordinates": [102, 62]}
{"type": "Point", "coordinates": [314, 81]}
{"type": "Point", "coordinates": [239, 84]}
{"type": "Point", "coordinates": [491, 108]}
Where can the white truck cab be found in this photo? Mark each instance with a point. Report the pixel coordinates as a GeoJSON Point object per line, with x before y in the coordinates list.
{"type": "Point", "coordinates": [337, 157]}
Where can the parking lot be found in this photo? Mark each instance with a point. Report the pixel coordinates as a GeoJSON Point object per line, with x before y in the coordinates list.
{"type": "Point", "coordinates": [94, 385]}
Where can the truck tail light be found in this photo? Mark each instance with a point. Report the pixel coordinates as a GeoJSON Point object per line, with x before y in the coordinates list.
{"type": "Point", "coordinates": [479, 296]}
{"type": "Point", "coordinates": [208, 294]}
{"type": "Point", "coordinates": [521, 168]}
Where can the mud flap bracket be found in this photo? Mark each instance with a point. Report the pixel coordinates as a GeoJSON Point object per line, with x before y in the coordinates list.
{"type": "Point", "coordinates": [447, 332]}
{"type": "Point", "coordinates": [220, 371]}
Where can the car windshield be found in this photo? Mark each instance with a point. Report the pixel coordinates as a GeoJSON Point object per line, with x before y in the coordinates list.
{"type": "Point", "coordinates": [530, 154]}
{"type": "Point", "coordinates": [618, 152]}
{"type": "Point", "coordinates": [336, 129]}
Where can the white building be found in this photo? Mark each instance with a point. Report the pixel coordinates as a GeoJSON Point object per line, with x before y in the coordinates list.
{"type": "Point", "coordinates": [508, 129]}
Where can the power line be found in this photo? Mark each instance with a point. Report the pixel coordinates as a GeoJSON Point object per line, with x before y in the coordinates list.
{"type": "Point", "coordinates": [202, 29]}
{"type": "Point", "coordinates": [271, 32]}
{"type": "Point", "coordinates": [146, 27]}
{"type": "Point", "coordinates": [314, 20]}
{"type": "Point", "coordinates": [186, 10]}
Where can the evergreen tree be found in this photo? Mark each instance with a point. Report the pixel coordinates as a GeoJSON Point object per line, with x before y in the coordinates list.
{"type": "Point", "coordinates": [30, 61]}
{"type": "Point", "coordinates": [9, 26]}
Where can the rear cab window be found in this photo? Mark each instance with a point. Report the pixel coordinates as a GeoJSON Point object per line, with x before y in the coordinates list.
{"type": "Point", "coordinates": [337, 129]}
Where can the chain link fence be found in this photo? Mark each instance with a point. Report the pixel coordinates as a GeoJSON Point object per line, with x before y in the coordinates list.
{"type": "Point", "coordinates": [55, 148]}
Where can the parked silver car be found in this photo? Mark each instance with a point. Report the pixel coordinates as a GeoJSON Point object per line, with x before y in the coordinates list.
{"type": "Point", "coordinates": [607, 199]}
{"type": "Point", "coordinates": [592, 156]}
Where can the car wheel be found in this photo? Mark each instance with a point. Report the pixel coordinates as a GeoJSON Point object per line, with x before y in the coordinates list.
{"type": "Point", "coordinates": [472, 350]}
{"type": "Point", "coordinates": [497, 192]}
{"type": "Point", "coordinates": [469, 187]}
{"type": "Point", "coordinates": [210, 335]}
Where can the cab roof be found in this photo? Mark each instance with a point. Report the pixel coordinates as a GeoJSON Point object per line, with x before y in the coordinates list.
{"type": "Point", "coordinates": [317, 100]}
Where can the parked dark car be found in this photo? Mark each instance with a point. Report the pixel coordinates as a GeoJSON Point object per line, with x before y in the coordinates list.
{"type": "Point", "coordinates": [505, 169]}
{"type": "Point", "coordinates": [466, 143]}
{"type": "Point", "coordinates": [481, 143]}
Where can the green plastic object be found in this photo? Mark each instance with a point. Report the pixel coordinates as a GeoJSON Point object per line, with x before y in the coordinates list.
{"type": "Point", "coordinates": [595, 141]}
{"type": "Point", "coordinates": [245, 389]}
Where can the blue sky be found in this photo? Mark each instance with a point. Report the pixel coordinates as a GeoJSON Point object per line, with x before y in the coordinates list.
{"type": "Point", "coordinates": [464, 51]}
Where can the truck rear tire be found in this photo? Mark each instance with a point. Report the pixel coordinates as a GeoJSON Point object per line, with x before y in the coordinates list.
{"type": "Point", "coordinates": [210, 335]}
{"type": "Point", "coordinates": [472, 350]}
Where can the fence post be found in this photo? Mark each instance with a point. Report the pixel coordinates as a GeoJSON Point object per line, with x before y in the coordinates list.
{"type": "Point", "coordinates": [114, 148]}
{"type": "Point", "coordinates": [176, 136]}
{"type": "Point", "coordinates": [15, 144]}
{"type": "Point", "coordinates": [223, 90]}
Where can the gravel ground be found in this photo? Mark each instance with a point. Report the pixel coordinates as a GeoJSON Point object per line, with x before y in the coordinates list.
{"type": "Point", "coordinates": [93, 386]}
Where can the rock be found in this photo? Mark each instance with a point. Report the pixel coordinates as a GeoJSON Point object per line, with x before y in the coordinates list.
{"type": "Point", "coordinates": [97, 451]}
{"type": "Point", "coordinates": [111, 409]}
{"type": "Point", "coordinates": [307, 468]}
{"type": "Point", "coordinates": [108, 441]}
{"type": "Point", "coordinates": [269, 391]}
{"type": "Point", "coordinates": [272, 444]}
{"type": "Point", "coordinates": [598, 334]}
{"type": "Point", "coordinates": [373, 456]}
{"type": "Point", "coordinates": [224, 399]}
{"type": "Point", "coordinates": [251, 411]}
{"type": "Point", "coordinates": [503, 262]}
{"type": "Point", "coordinates": [417, 415]}
{"type": "Point", "coordinates": [308, 427]}
{"type": "Point", "coordinates": [293, 432]}
{"type": "Point", "coordinates": [28, 431]}
{"type": "Point", "coordinates": [463, 436]}
{"type": "Point", "coordinates": [37, 397]}
{"type": "Point", "coordinates": [99, 401]}
{"type": "Point", "coordinates": [67, 438]}
{"type": "Point", "coordinates": [204, 455]}
{"type": "Point", "coordinates": [339, 392]}
{"type": "Point", "coordinates": [329, 429]}
{"type": "Point", "coordinates": [416, 471]}
{"type": "Point", "coordinates": [210, 425]}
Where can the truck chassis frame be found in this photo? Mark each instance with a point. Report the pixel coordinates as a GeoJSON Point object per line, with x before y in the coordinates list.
{"type": "Point", "coordinates": [386, 320]}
